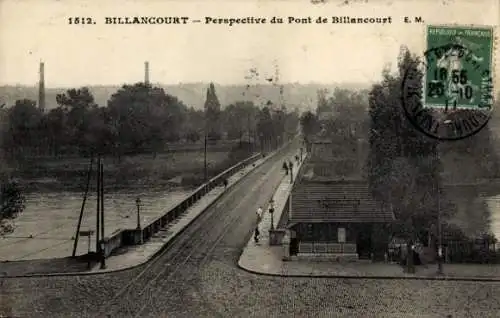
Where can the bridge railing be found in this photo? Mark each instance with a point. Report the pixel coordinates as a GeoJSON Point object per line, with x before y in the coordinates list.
{"type": "Point", "coordinates": [136, 236]}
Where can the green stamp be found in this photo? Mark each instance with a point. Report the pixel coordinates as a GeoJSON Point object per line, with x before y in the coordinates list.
{"type": "Point", "coordinates": [455, 98]}
{"type": "Point", "coordinates": [459, 66]}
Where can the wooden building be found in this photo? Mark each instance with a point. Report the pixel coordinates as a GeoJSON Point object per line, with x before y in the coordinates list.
{"type": "Point", "coordinates": [331, 209]}
{"type": "Point", "coordinates": [338, 217]}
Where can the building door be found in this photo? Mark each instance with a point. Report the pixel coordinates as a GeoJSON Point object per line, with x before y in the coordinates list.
{"type": "Point", "coordinates": [364, 241]}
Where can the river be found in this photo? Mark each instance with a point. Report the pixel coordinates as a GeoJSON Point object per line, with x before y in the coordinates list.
{"type": "Point", "coordinates": [47, 226]}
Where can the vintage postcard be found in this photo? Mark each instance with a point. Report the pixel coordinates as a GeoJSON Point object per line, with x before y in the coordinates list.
{"type": "Point", "coordinates": [251, 158]}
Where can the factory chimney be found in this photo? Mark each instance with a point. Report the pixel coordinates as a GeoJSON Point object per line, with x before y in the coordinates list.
{"type": "Point", "coordinates": [146, 72]}
{"type": "Point", "coordinates": [41, 89]}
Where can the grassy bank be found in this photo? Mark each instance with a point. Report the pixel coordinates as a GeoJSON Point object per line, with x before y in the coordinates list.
{"type": "Point", "coordinates": [179, 168]}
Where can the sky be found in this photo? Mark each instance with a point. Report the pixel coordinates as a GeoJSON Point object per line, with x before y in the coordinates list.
{"type": "Point", "coordinates": [37, 30]}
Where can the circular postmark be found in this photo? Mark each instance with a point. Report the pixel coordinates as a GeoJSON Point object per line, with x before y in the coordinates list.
{"type": "Point", "coordinates": [448, 95]}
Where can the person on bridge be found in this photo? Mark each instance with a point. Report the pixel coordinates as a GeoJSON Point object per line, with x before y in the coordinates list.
{"type": "Point", "coordinates": [285, 167]}
{"type": "Point", "coordinates": [259, 214]}
{"type": "Point", "coordinates": [256, 234]}
{"type": "Point", "coordinates": [259, 218]}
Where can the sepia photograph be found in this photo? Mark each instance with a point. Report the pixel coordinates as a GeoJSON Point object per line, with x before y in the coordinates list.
{"type": "Point", "coordinates": [251, 158]}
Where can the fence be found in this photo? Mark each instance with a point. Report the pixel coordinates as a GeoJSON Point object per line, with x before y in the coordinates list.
{"type": "Point", "coordinates": [474, 251]}
{"type": "Point", "coordinates": [326, 248]}
{"type": "Point", "coordinates": [456, 251]}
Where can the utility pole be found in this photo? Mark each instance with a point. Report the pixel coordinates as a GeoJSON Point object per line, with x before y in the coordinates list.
{"type": "Point", "coordinates": [103, 252]}
{"type": "Point", "coordinates": [89, 176]}
{"type": "Point", "coordinates": [97, 233]}
{"type": "Point", "coordinates": [248, 131]}
{"type": "Point", "coordinates": [205, 172]}
{"type": "Point", "coordinates": [440, 243]}
{"type": "Point", "coordinates": [101, 183]}
{"type": "Point", "coordinates": [138, 204]}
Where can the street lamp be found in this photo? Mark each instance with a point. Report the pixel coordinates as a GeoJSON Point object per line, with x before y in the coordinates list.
{"type": "Point", "coordinates": [138, 204]}
{"type": "Point", "coordinates": [271, 211]}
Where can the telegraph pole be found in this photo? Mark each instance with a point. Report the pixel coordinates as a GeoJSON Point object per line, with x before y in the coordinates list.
{"type": "Point", "coordinates": [440, 243]}
{"type": "Point", "coordinates": [97, 233]}
{"type": "Point", "coordinates": [89, 175]}
{"type": "Point", "coordinates": [205, 172]}
{"type": "Point", "coordinates": [103, 255]}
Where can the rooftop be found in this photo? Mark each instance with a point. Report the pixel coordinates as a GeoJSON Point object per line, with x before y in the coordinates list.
{"type": "Point", "coordinates": [343, 201]}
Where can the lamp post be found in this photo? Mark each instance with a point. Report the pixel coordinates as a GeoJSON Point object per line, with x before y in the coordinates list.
{"type": "Point", "coordinates": [271, 211]}
{"type": "Point", "coordinates": [138, 204]}
{"type": "Point", "coordinates": [205, 159]}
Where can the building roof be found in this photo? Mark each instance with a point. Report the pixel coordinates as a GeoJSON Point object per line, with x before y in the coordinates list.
{"type": "Point", "coordinates": [336, 201]}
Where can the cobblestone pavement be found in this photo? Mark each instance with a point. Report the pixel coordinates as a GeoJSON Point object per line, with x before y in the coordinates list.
{"type": "Point", "coordinates": [198, 277]}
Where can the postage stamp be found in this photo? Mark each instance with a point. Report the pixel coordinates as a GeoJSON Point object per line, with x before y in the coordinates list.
{"type": "Point", "coordinates": [456, 99]}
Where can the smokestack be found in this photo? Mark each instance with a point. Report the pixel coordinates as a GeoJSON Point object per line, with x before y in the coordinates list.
{"type": "Point", "coordinates": [41, 89]}
{"type": "Point", "coordinates": [146, 72]}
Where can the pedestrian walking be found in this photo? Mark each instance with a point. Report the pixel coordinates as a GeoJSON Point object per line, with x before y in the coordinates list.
{"type": "Point", "coordinates": [225, 184]}
{"type": "Point", "coordinates": [259, 218]}
{"type": "Point", "coordinates": [285, 167]}
{"type": "Point", "coordinates": [256, 234]}
{"type": "Point", "coordinates": [259, 214]}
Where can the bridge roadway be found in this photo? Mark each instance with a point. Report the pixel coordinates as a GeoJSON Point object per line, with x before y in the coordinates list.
{"type": "Point", "coordinates": [198, 277]}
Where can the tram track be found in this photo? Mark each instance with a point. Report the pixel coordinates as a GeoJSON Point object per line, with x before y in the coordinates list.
{"type": "Point", "coordinates": [192, 249]}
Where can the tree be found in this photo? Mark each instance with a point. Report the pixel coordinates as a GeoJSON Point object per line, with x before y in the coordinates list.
{"type": "Point", "coordinates": [23, 120]}
{"type": "Point", "coordinates": [265, 128]}
{"type": "Point", "coordinates": [78, 105]}
{"type": "Point", "coordinates": [194, 125]}
{"type": "Point", "coordinates": [12, 203]}
{"type": "Point", "coordinates": [323, 105]}
{"type": "Point", "coordinates": [291, 123]}
{"type": "Point", "coordinates": [212, 113]}
{"type": "Point", "coordinates": [239, 119]}
{"type": "Point", "coordinates": [143, 118]}
{"type": "Point", "coordinates": [310, 126]}
{"type": "Point", "coordinates": [53, 126]}
{"type": "Point", "coordinates": [403, 164]}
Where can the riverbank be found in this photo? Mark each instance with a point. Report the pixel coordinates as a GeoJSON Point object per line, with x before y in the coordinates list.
{"type": "Point", "coordinates": [165, 170]}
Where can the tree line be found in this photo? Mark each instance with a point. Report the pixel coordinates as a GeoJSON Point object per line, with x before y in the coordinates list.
{"type": "Point", "coordinates": [138, 118]}
{"type": "Point", "coordinates": [403, 165]}
{"type": "Point", "coordinates": [342, 115]}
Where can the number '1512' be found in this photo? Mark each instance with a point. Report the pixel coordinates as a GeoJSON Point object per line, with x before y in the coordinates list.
{"type": "Point", "coordinates": [80, 20]}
